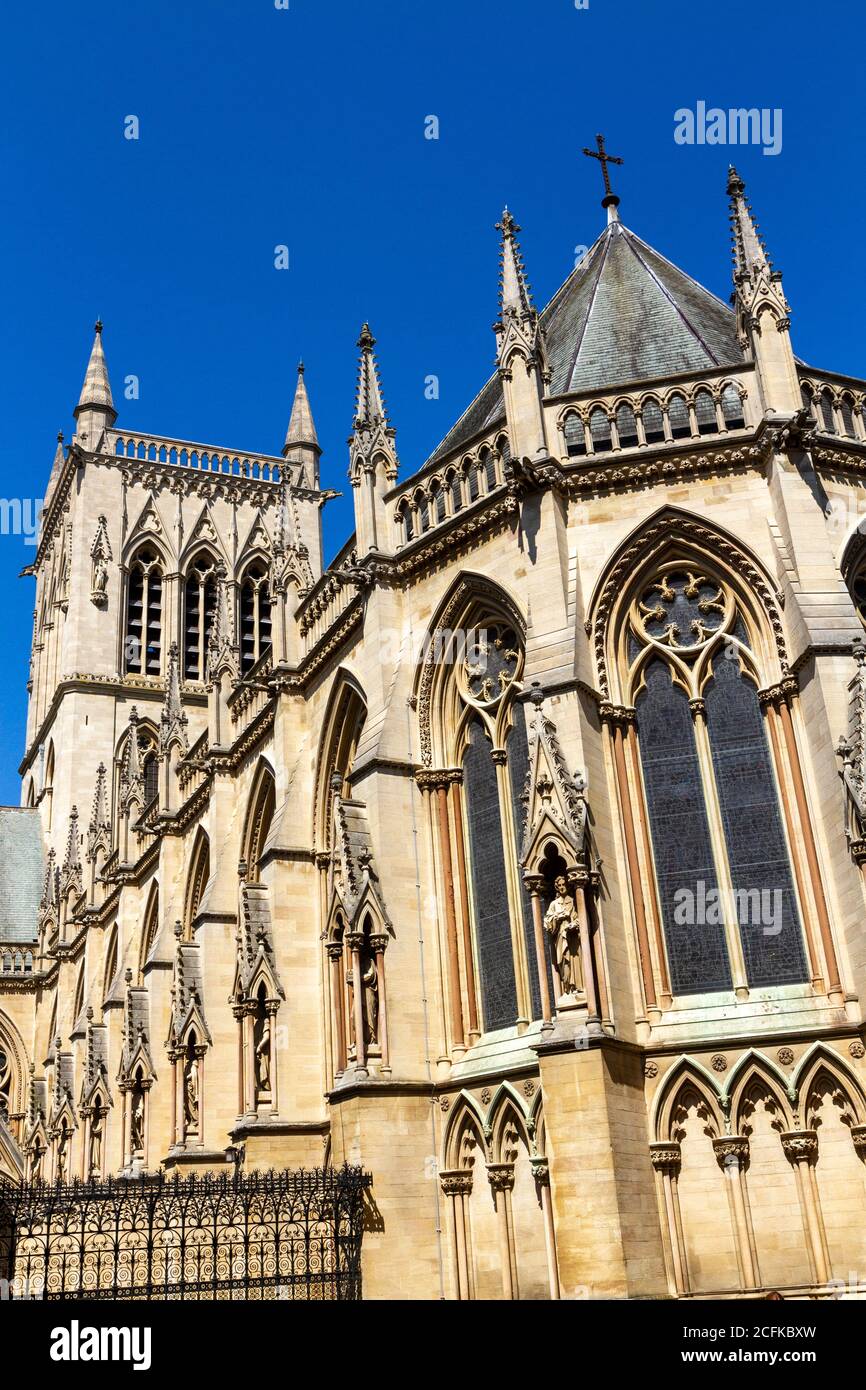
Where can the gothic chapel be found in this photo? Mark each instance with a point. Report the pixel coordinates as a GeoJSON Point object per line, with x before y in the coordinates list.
{"type": "Point", "coordinates": [517, 855]}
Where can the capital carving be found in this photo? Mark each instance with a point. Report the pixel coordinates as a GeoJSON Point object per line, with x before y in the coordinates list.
{"type": "Point", "coordinates": [732, 1151]}
{"type": "Point", "coordinates": [501, 1176]}
{"type": "Point", "coordinates": [800, 1145]}
{"type": "Point", "coordinates": [858, 1135]}
{"type": "Point", "coordinates": [666, 1158]}
{"type": "Point", "coordinates": [456, 1182]}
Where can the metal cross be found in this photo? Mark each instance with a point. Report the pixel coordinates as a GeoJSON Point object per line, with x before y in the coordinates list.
{"type": "Point", "coordinates": [605, 159]}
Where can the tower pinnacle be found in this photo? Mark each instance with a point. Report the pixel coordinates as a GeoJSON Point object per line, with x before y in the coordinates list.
{"type": "Point", "coordinates": [95, 409]}
{"type": "Point", "coordinates": [302, 442]}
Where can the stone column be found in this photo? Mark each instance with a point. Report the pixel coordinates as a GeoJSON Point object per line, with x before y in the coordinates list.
{"type": "Point", "coordinates": [458, 1041]}
{"type": "Point", "coordinates": [541, 1173]}
{"type": "Point", "coordinates": [534, 884]}
{"type": "Point", "coordinates": [666, 1159]}
{"type": "Point", "coordinates": [355, 943]}
{"type": "Point", "coordinates": [732, 1156]}
{"type": "Point", "coordinates": [457, 1185]}
{"type": "Point", "coordinates": [377, 945]}
{"type": "Point", "coordinates": [463, 881]}
{"type": "Point", "coordinates": [271, 1007]}
{"type": "Point", "coordinates": [589, 984]}
{"type": "Point", "coordinates": [800, 1147]}
{"type": "Point", "coordinates": [614, 720]}
{"type": "Point", "coordinates": [335, 956]}
{"type": "Point", "coordinates": [501, 1178]}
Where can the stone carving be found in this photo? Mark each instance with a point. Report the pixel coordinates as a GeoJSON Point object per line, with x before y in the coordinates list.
{"type": "Point", "coordinates": [136, 1125]}
{"type": "Point", "coordinates": [370, 986]}
{"type": "Point", "coordinates": [562, 924]}
{"type": "Point", "coordinates": [190, 1094]}
{"type": "Point", "coordinates": [100, 556]}
{"type": "Point", "coordinates": [96, 1142]}
{"type": "Point", "coordinates": [856, 1049]}
{"type": "Point", "coordinates": [263, 1057]}
{"type": "Point", "coordinates": [785, 1056]}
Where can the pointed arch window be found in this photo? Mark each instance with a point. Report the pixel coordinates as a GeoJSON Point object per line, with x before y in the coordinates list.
{"type": "Point", "coordinates": [494, 761]}
{"type": "Point", "coordinates": [149, 930]}
{"type": "Point", "coordinates": [721, 857]}
{"type": "Point", "coordinates": [255, 615]}
{"type": "Point", "coordinates": [200, 596]}
{"type": "Point", "coordinates": [197, 882]}
{"type": "Point", "coordinates": [5, 1083]}
{"type": "Point", "coordinates": [259, 820]}
{"type": "Point", "coordinates": [142, 649]}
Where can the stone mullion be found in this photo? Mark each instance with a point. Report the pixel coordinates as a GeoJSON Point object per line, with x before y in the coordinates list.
{"type": "Point", "coordinates": [784, 780]}
{"type": "Point", "coordinates": [733, 939]}
{"type": "Point", "coordinates": [666, 1160]}
{"type": "Point", "coordinates": [613, 719]}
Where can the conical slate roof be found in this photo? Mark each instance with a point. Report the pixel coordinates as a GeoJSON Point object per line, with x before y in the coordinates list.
{"type": "Point", "coordinates": [624, 314]}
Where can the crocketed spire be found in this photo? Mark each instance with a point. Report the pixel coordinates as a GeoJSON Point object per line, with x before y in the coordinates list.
{"type": "Point", "coordinates": [370, 407]}
{"type": "Point", "coordinates": [515, 295]}
{"type": "Point", "coordinates": [750, 253]}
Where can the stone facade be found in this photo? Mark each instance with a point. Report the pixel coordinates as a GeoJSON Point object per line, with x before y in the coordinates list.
{"type": "Point", "coordinates": [377, 862]}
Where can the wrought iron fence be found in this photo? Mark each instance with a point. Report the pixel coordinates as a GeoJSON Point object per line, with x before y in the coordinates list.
{"type": "Point", "coordinates": [275, 1235]}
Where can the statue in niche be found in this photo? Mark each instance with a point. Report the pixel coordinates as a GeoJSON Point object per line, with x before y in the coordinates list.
{"type": "Point", "coordinates": [96, 1141]}
{"type": "Point", "coordinates": [136, 1121]}
{"type": "Point", "coordinates": [190, 1094]}
{"type": "Point", "coordinates": [263, 1056]}
{"type": "Point", "coordinates": [62, 1153]}
{"type": "Point", "coordinates": [36, 1160]}
{"type": "Point", "coordinates": [370, 999]}
{"type": "Point", "coordinates": [563, 927]}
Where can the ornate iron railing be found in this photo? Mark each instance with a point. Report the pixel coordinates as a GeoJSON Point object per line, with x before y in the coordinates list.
{"type": "Point", "coordinates": [274, 1235]}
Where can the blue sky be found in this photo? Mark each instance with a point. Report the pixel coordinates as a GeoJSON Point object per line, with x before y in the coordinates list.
{"type": "Point", "coordinates": [305, 127]}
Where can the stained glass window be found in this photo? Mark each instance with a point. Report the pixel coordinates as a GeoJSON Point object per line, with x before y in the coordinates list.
{"type": "Point", "coordinates": [765, 906]}
{"type": "Point", "coordinates": [685, 868]}
{"type": "Point", "coordinates": [489, 887]}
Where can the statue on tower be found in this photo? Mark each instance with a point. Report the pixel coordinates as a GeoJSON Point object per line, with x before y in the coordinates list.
{"type": "Point", "coordinates": [562, 925]}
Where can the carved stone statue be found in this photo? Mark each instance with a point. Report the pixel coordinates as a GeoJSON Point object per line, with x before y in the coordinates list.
{"type": "Point", "coordinates": [136, 1121]}
{"type": "Point", "coordinates": [370, 983]}
{"type": "Point", "coordinates": [96, 1141]}
{"type": "Point", "coordinates": [563, 927]}
{"type": "Point", "coordinates": [36, 1160]}
{"type": "Point", "coordinates": [263, 1057]}
{"type": "Point", "coordinates": [190, 1099]}
{"type": "Point", "coordinates": [62, 1154]}
{"type": "Point", "coordinates": [100, 577]}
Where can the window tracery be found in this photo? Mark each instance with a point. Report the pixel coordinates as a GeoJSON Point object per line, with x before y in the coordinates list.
{"type": "Point", "coordinates": [142, 651]}
{"type": "Point", "coordinates": [722, 865]}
